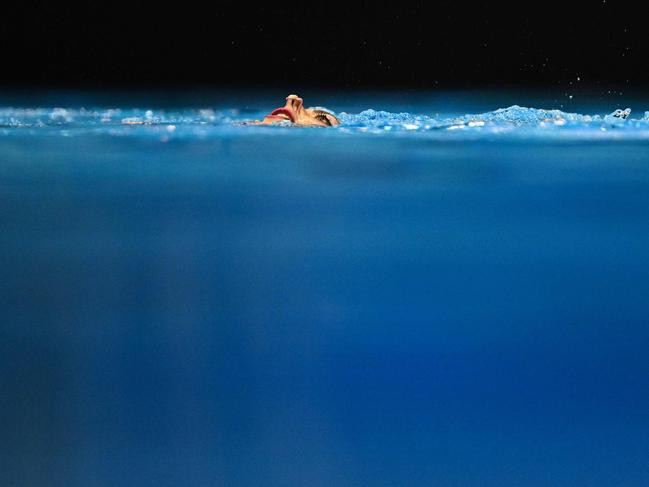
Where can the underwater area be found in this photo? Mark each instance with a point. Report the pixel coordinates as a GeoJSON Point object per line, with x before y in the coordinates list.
{"type": "Point", "coordinates": [448, 289]}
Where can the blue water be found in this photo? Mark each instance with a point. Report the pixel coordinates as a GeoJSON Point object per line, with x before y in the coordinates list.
{"type": "Point", "coordinates": [418, 297]}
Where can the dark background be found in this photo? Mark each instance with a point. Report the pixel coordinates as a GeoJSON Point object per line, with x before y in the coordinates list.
{"type": "Point", "coordinates": [420, 45]}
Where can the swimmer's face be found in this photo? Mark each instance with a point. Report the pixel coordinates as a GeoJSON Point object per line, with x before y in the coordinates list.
{"type": "Point", "coordinates": [295, 112]}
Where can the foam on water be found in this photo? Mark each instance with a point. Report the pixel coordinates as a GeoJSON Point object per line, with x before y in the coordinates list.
{"type": "Point", "coordinates": [514, 121]}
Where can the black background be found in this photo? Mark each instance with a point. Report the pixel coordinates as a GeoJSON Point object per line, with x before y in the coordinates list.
{"type": "Point", "coordinates": [421, 45]}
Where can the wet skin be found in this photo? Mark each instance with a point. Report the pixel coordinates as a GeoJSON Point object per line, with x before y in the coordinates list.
{"type": "Point", "coordinates": [295, 112]}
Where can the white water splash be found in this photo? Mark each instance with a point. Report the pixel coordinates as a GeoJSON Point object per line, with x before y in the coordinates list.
{"type": "Point", "coordinates": [514, 121]}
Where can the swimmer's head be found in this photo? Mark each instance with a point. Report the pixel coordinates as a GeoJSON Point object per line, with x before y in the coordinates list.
{"type": "Point", "coordinates": [295, 112]}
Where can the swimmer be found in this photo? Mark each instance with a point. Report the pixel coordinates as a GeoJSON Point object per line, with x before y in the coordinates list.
{"type": "Point", "coordinates": [295, 113]}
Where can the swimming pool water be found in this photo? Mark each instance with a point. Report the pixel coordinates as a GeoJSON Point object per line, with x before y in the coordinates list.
{"type": "Point", "coordinates": [418, 297]}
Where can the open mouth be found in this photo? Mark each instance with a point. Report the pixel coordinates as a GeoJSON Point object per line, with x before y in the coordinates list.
{"type": "Point", "coordinates": [283, 113]}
